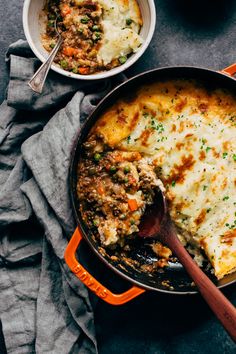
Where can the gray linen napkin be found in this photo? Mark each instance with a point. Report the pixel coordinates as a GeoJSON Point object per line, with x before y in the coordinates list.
{"type": "Point", "coordinates": [43, 307]}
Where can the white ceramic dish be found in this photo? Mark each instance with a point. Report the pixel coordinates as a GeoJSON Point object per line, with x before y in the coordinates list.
{"type": "Point", "coordinates": [33, 29]}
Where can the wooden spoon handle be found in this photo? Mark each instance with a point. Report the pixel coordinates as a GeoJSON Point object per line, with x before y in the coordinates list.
{"type": "Point", "coordinates": [220, 305]}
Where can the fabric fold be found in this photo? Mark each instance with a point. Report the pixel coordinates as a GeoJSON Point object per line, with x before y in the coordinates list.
{"type": "Point", "coordinates": [44, 308]}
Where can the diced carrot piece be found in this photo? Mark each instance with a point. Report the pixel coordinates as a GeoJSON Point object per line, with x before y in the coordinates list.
{"type": "Point", "coordinates": [65, 10]}
{"type": "Point", "coordinates": [126, 156]}
{"type": "Point", "coordinates": [69, 51]}
{"type": "Point", "coordinates": [118, 157]}
{"type": "Point", "coordinates": [83, 71]}
{"type": "Point", "coordinates": [134, 156]}
{"type": "Point", "coordinates": [100, 190]}
{"type": "Point", "coordinates": [133, 205]}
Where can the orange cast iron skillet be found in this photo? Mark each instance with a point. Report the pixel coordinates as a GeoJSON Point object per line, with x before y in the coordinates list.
{"type": "Point", "coordinates": [174, 275]}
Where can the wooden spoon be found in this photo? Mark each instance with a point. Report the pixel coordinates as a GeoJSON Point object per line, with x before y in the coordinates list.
{"type": "Point", "coordinates": [156, 223]}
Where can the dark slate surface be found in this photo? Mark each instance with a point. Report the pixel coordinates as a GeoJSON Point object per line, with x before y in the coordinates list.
{"type": "Point", "coordinates": [200, 33]}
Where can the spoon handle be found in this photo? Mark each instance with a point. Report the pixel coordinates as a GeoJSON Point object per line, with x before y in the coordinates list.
{"type": "Point", "coordinates": [220, 305]}
{"type": "Point", "coordinates": [37, 81]}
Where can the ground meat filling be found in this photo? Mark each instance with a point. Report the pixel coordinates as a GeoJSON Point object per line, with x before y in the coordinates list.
{"type": "Point", "coordinates": [114, 188]}
{"type": "Point", "coordinates": [80, 27]}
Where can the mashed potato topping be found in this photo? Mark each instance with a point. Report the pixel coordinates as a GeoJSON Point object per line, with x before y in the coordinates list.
{"type": "Point", "coordinates": [187, 133]}
{"type": "Point", "coordinates": [119, 40]}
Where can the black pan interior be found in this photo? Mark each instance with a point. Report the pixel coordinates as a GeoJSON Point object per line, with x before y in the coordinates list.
{"type": "Point", "coordinates": [172, 279]}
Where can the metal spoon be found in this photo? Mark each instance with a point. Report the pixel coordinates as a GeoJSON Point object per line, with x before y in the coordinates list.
{"type": "Point", "coordinates": [38, 80]}
{"type": "Point", "coordinates": [156, 223]}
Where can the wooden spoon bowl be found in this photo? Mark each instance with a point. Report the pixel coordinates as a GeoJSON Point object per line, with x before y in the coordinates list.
{"type": "Point", "coordinates": [157, 224]}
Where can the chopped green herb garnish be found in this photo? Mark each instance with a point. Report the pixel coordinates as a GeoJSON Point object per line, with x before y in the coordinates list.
{"type": "Point", "coordinates": [208, 148]}
{"type": "Point", "coordinates": [231, 227]}
{"type": "Point", "coordinates": [208, 210]}
{"type": "Point", "coordinates": [159, 127]}
{"type": "Point", "coordinates": [225, 154]}
{"type": "Point", "coordinates": [226, 198]}
{"type": "Point", "coordinates": [234, 157]}
{"type": "Point", "coordinates": [204, 187]}
{"type": "Point", "coordinates": [128, 139]}
{"type": "Point", "coordinates": [128, 21]}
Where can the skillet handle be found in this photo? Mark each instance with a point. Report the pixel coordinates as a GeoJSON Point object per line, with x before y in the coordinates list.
{"type": "Point", "coordinates": [230, 70]}
{"type": "Point", "coordinates": [90, 281]}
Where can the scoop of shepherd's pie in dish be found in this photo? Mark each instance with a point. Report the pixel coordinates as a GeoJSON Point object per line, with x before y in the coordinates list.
{"type": "Point", "coordinates": [98, 34]}
{"type": "Point", "coordinates": [114, 189]}
{"type": "Point", "coordinates": [178, 134]}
